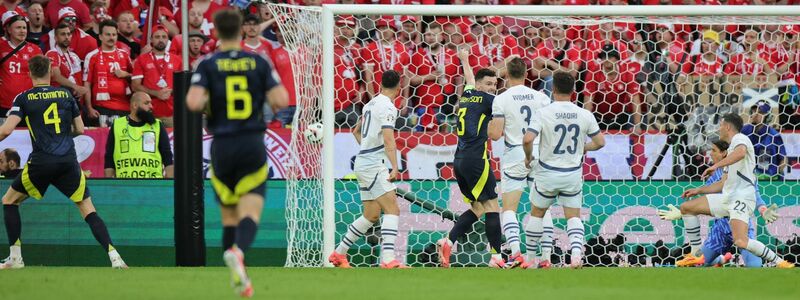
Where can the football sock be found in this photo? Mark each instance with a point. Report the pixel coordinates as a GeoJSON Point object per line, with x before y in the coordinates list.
{"type": "Point", "coordinates": [762, 251]}
{"type": "Point", "coordinates": [493, 233]}
{"type": "Point", "coordinates": [463, 225]}
{"type": "Point", "coordinates": [355, 231]}
{"type": "Point", "coordinates": [388, 236]}
{"type": "Point", "coordinates": [533, 233]}
{"type": "Point", "coordinates": [13, 223]}
{"type": "Point", "coordinates": [245, 233]}
{"type": "Point", "coordinates": [99, 230]}
{"type": "Point", "coordinates": [546, 242]}
{"type": "Point", "coordinates": [511, 230]}
{"type": "Point", "coordinates": [575, 233]}
{"type": "Point", "coordinates": [692, 227]}
{"type": "Point", "coordinates": [228, 237]}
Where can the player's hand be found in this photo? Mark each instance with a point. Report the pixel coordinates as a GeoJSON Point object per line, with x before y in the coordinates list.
{"type": "Point", "coordinates": [81, 90]}
{"type": "Point", "coordinates": [770, 214]}
{"type": "Point", "coordinates": [394, 175]}
{"type": "Point", "coordinates": [709, 171]}
{"type": "Point", "coordinates": [672, 213]}
{"type": "Point", "coordinates": [164, 94]}
{"type": "Point", "coordinates": [93, 113]}
{"type": "Point", "coordinates": [690, 193]}
{"type": "Point", "coordinates": [463, 53]}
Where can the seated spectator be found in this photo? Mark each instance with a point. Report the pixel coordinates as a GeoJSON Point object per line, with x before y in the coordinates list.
{"type": "Point", "coordinates": [767, 143]}
{"type": "Point", "coordinates": [752, 61]}
{"type": "Point", "coordinates": [9, 163]}
{"type": "Point", "coordinates": [347, 77]}
{"type": "Point", "coordinates": [65, 66]}
{"type": "Point", "coordinates": [708, 62]}
{"type": "Point", "coordinates": [37, 24]}
{"type": "Point", "coordinates": [81, 11]}
{"type": "Point", "coordinates": [106, 74]}
{"type": "Point", "coordinates": [14, 77]}
{"type": "Point", "coordinates": [82, 43]}
{"type": "Point", "coordinates": [152, 74]}
{"type": "Point", "coordinates": [435, 73]}
{"type": "Point", "coordinates": [556, 53]}
{"type": "Point", "coordinates": [612, 94]}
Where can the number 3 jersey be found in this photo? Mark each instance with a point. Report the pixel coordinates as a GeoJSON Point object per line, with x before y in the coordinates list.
{"type": "Point", "coordinates": [237, 83]}
{"type": "Point", "coordinates": [562, 127]}
{"type": "Point", "coordinates": [517, 105]}
{"type": "Point", "coordinates": [474, 114]}
{"type": "Point", "coordinates": [48, 112]}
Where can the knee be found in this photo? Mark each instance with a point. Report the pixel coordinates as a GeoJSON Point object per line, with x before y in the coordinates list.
{"type": "Point", "coordinates": [478, 210]}
{"type": "Point", "coordinates": [685, 208]}
{"type": "Point", "coordinates": [538, 212]}
{"type": "Point", "coordinates": [372, 216]}
{"type": "Point", "coordinates": [741, 242]}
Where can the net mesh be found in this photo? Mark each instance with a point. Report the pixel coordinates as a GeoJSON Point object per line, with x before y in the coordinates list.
{"type": "Point", "coordinates": [657, 86]}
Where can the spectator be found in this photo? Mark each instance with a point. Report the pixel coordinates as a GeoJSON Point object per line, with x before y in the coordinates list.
{"type": "Point", "coordinates": [37, 24]}
{"type": "Point", "coordinates": [14, 77]}
{"type": "Point", "coordinates": [409, 34]}
{"type": "Point", "coordinates": [206, 8]}
{"type": "Point", "coordinates": [12, 5]}
{"type": "Point", "coordinates": [82, 43]}
{"type": "Point", "coordinates": [152, 74]}
{"type": "Point", "coordinates": [81, 11]}
{"type": "Point", "coordinates": [283, 66]}
{"type": "Point", "coordinates": [707, 63]}
{"type": "Point", "coordinates": [381, 55]}
{"type": "Point", "coordinates": [98, 14]}
{"type": "Point", "coordinates": [65, 64]}
{"type": "Point", "coordinates": [752, 61]}
{"type": "Point", "coordinates": [493, 46]}
{"type": "Point", "coordinates": [601, 35]}
{"type": "Point", "coordinates": [106, 73]}
{"type": "Point", "coordinates": [434, 75]}
{"type": "Point", "coordinates": [253, 41]}
{"type": "Point", "coordinates": [127, 34]}
{"type": "Point", "coordinates": [767, 143]}
{"type": "Point", "coordinates": [557, 53]}
{"type": "Point", "coordinates": [196, 42]}
{"type": "Point", "coordinates": [195, 25]}
{"type": "Point", "coordinates": [611, 93]}
{"type": "Point", "coordinates": [347, 77]}
{"type": "Point", "coordinates": [785, 58]}
{"type": "Point", "coordinates": [137, 144]}
{"type": "Point", "coordinates": [668, 50]}
{"type": "Point", "coordinates": [9, 163]}
{"type": "Point", "coordinates": [453, 36]}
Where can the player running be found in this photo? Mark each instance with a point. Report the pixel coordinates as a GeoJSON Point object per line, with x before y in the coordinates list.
{"type": "Point", "coordinates": [471, 164]}
{"type": "Point", "coordinates": [511, 112]}
{"type": "Point", "coordinates": [375, 134]}
{"type": "Point", "coordinates": [738, 197]}
{"type": "Point", "coordinates": [235, 85]}
{"type": "Point", "coordinates": [50, 114]}
{"type": "Point", "coordinates": [563, 127]}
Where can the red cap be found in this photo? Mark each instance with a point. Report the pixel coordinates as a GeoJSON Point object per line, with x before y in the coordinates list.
{"type": "Point", "coordinates": [8, 16]}
{"type": "Point", "coordinates": [346, 21]}
{"type": "Point", "coordinates": [495, 20]}
{"type": "Point", "coordinates": [66, 12]}
{"type": "Point", "coordinates": [404, 19]}
{"type": "Point", "coordinates": [160, 28]}
{"type": "Point", "coordinates": [790, 29]}
{"type": "Point", "coordinates": [384, 22]}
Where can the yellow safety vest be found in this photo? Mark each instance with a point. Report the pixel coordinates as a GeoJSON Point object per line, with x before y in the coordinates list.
{"type": "Point", "coordinates": [136, 152]}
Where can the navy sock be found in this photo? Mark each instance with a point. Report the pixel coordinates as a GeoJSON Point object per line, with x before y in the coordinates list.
{"type": "Point", "coordinates": [493, 232]}
{"type": "Point", "coordinates": [13, 223]}
{"type": "Point", "coordinates": [99, 230]}
{"type": "Point", "coordinates": [463, 225]}
{"type": "Point", "coordinates": [245, 233]}
{"type": "Point", "coordinates": [228, 237]}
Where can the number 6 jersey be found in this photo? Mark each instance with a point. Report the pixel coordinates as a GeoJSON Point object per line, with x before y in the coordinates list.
{"type": "Point", "coordinates": [237, 83]}
{"type": "Point", "coordinates": [563, 127]}
{"type": "Point", "coordinates": [48, 112]}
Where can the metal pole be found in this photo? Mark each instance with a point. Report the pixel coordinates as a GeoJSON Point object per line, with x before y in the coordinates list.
{"type": "Point", "coordinates": [328, 193]}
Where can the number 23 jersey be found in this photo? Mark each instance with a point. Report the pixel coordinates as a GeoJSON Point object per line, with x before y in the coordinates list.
{"type": "Point", "coordinates": [237, 83]}
{"type": "Point", "coordinates": [563, 127]}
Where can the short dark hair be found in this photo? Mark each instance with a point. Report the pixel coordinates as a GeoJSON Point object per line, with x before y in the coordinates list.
{"type": "Point", "coordinates": [484, 73]}
{"type": "Point", "coordinates": [228, 23]}
{"type": "Point", "coordinates": [62, 26]}
{"type": "Point", "coordinates": [517, 68]}
{"type": "Point", "coordinates": [11, 155]}
{"type": "Point", "coordinates": [735, 121]}
{"type": "Point", "coordinates": [721, 145]}
{"type": "Point", "coordinates": [39, 66]}
{"type": "Point", "coordinates": [106, 23]}
{"type": "Point", "coordinates": [390, 79]}
{"type": "Point", "coordinates": [563, 83]}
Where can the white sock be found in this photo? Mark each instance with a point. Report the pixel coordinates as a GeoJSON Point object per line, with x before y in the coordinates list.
{"type": "Point", "coordinates": [762, 251]}
{"type": "Point", "coordinates": [575, 233]}
{"type": "Point", "coordinates": [388, 236]}
{"type": "Point", "coordinates": [546, 242]}
{"type": "Point", "coordinates": [15, 251]}
{"type": "Point", "coordinates": [691, 226]}
{"type": "Point", "coordinates": [113, 254]}
{"type": "Point", "coordinates": [511, 230]}
{"type": "Point", "coordinates": [533, 233]}
{"type": "Point", "coordinates": [354, 232]}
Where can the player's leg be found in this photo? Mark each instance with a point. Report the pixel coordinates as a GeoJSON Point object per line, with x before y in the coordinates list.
{"type": "Point", "coordinates": [711, 204]}
{"type": "Point", "coordinates": [740, 212]}
{"type": "Point", "coordinates": [514, 175]}
{"type": "Point", "coordinates": [13, 222]}
{"type": "Point", "coordinates": [575, 231]}
{"type": "Point", "coordinates": [389, 229]}
{"type": "Point", "coordinates": [750, 259]}
{"type": "Point", "coordinates": [371, 213]}
{"type": "Point", "coordinates": [718, 242]}
{"type": "Point", "coordinates": [249, 212]}
{"type": "Point", "coordinates": [230, 218]}
{"type": "Point", "coordinates": [534, 229]}
{"type": "Point", "coordinates": [100, 231]}
{"type": "Point", "coordinates": [493, 231]}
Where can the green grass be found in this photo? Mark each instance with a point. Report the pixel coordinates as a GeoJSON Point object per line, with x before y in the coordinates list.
{"type": "Point", "coordinates": [414, 284]}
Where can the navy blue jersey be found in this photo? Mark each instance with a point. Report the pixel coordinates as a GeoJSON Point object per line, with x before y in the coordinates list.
{"type": "Point", "coordinates": [474, 114]}
{"type": "Point", "coordinates": [237, 83]}
{"type": "Point", "coordinates": [48, 112]}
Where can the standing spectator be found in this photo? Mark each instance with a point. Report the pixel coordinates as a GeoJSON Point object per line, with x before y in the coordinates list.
{"type": "Point", "coordinates": [283, 65]}
{"type": "Point", "coordinates": [137, 144]}
{"type": "Point", "coordinates": [786, 60]}
{"type": "Point", "coordinates": [612, 94]}
{"type": "Point", "coordinates": [434, 70]}
{"type": "Point", "coordinates": [752, 61]}
{"type": "Point", "coordinates": [152, 74]}
{"type": "Point", "coordinates": [381, 55]}
{"type": "Point", "coordinates": [206, 8]}
{"type": "Point", "coordinates": [53, 12]}
{"type": "Point", "coordinates": [767, 142]}
{"type": "Point", "coordinates": [668, 50]}
{"type": "Point", "coordinates": [409, 34]}
{"type": "Point", "coordinates": [196, 42]}
{"type": "Point", "coordinates": [98, 14]}
{"type": "Point", "coordinates": [37, 24]}
{"type": "Point", "coordinates": [65, 67]}
{"type": "Point", "coordinates": [82, 43]}
{"type": "Point", "coordinates": [195, 24]}
{"type": "Point", "coordinates": [253, 41]}
{"type": "Point", "coordinates": [106, 74]}
{"type": "Point", "coordinates": [601, 35]}
{"type": "Point", "coordinates": [555, 54]}
{"type": "Point", "coordinates": [346, 79]}
{"type": "Point", "coordinates": [127, 34]}
{"type": "Point", "coordinates": [11, 5]}
{"type": "Point", "coordinates": [707, 63]}
{"type": "Point", "coordinates": [9, 163]}
{"type": "Point", "coordinates": [14, 77]}
{"type": "Point", "coordinates": [493, 46]}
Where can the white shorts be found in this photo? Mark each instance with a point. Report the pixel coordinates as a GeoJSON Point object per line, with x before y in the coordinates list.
{"type": "Point", "coordinates": [514, 172]}
{"type": "Point", "coordinates": [373, 181]}
{"type": "Point", "coordinates": [735, 207]}
{"type": "Point", "coordinates": [550, 186]}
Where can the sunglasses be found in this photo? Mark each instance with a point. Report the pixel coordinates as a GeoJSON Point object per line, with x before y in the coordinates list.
{"type": "Point", "coordinates": [71, 19]}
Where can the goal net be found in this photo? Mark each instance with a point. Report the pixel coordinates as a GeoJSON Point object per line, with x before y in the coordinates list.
{"type": "Point", "coordinates": [658, 86]}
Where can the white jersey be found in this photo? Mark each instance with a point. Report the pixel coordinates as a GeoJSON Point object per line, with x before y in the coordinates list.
{"type": "Point", "coordinates": [562, 128]}
{"type": "Point", "coordinates": [378, 114]}
{"type": "Point", "coordinates": [741, 179]}
{"type": "Point", "coordinates": [517, 106]}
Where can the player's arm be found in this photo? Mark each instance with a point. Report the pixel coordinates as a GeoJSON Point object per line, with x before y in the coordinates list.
{"type": "Point", "coordinates": [527, 144]}
{"type": "Point", "coordinates": [463, 56]}
{"type": "Point", "coordinates": [8, 127]}
{"type": "Point", "coordinates": [597, 143]}
{"type": "Point", "coordinates": [496, 127]}
{"type": "Point", "coordinates": [278, 97]}
{"type": "Point", "coordinates": [166, 154]}
{"type": "Point", "coordinates": [738, 154]}
{"type": "Point", "coordinates": [390, 147]}
{"type": "Point", "coordinates": [357, 131]}
{"type": "Point", "coordinates": [196, 98]}
{"type": "Point", "coordinates": [77, 126]}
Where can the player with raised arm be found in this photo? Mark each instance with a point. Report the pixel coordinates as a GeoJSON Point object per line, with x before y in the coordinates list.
{"type": "Point", "coordinates": [511, 112]}
{"type": "Point", "coordinates": [375, 134]}
{"type": "Point", "coordinates": [471, 163]}
{"type": "Point", "coordinates": [563, 128]}
{"type": "Point", "coordinates": [51, 114]}
{"type": "Point", "coordinates": [233, 85]}
{"type": "Point", "coordinates": [738, 198]}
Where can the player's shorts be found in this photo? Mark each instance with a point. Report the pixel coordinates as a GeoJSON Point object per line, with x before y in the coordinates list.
{"type": "Point", "coordinates": [67, 177]}
{"type": "Point", "coordinates": [373, 180]}
{"type": "Point", "coordinates": [733, 206]}
{"type": "Point", "coordinates": [514, 172]}
{"type": "Point", "coordinates": [475, 179]}
{"type": "Point", "coordinates": [551, 186]}
{"type": "Point", "coordinates": [238, 167]}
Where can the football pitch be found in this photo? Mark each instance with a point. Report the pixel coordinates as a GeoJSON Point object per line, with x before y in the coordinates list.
{"type": "Point", "coordinates": [414, 284]}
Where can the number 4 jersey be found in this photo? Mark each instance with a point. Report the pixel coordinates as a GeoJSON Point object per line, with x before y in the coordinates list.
{"type": "Point", "coordinates": [48, 112]}
{"type": "Point", "coordinates": [562, 127]}
{"type": "Point", "coordinates": [237, 83]}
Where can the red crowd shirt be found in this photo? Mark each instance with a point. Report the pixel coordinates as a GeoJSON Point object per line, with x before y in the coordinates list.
{"type": "Point", "coordinates": [742, 64]}
{"type": "Point", "coordinates": [431, 93]}
{"type": "Point", "coordinates": [283, 65]}
{"type": "Point", "coordinates": [17, 9]}
{"type": "Point", "coordinates": [611, 95]}
{"type": "Point", "coordinates": [208, 18]}
{"type": "Point", "coordinates": [99, 72]}
{"type": "Point", "coordinates": [346, 77]}
{"type": "Point", "coordinates": [384, 58]}
{"type": "Point", "coordinates": [262, 48]}
{"type": "Point", "coordinates": [780, 56]}
{"type": "Point", "coordinates": [68, 64]}
{"type": "Point", "coordinates": [82, 43]}
{"type": "Point", "coordinates": [547, 50]}
{"type": "Point", "coordinates": [701, 67]}
{"type": "Point", "coordinates": [485, 54]}
{"type": "Point", "coordinates": [52, 8]}
{"type": "Point", "coordinates": [151, 69]}
{"type": "Point", "coordinates": [14, 75]}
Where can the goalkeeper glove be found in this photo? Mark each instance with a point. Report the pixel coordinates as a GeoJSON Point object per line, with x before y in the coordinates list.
{"type": "Point", "coordinates": [672, 214]}
{"type": "Point", "coordinates": [770, 213]}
